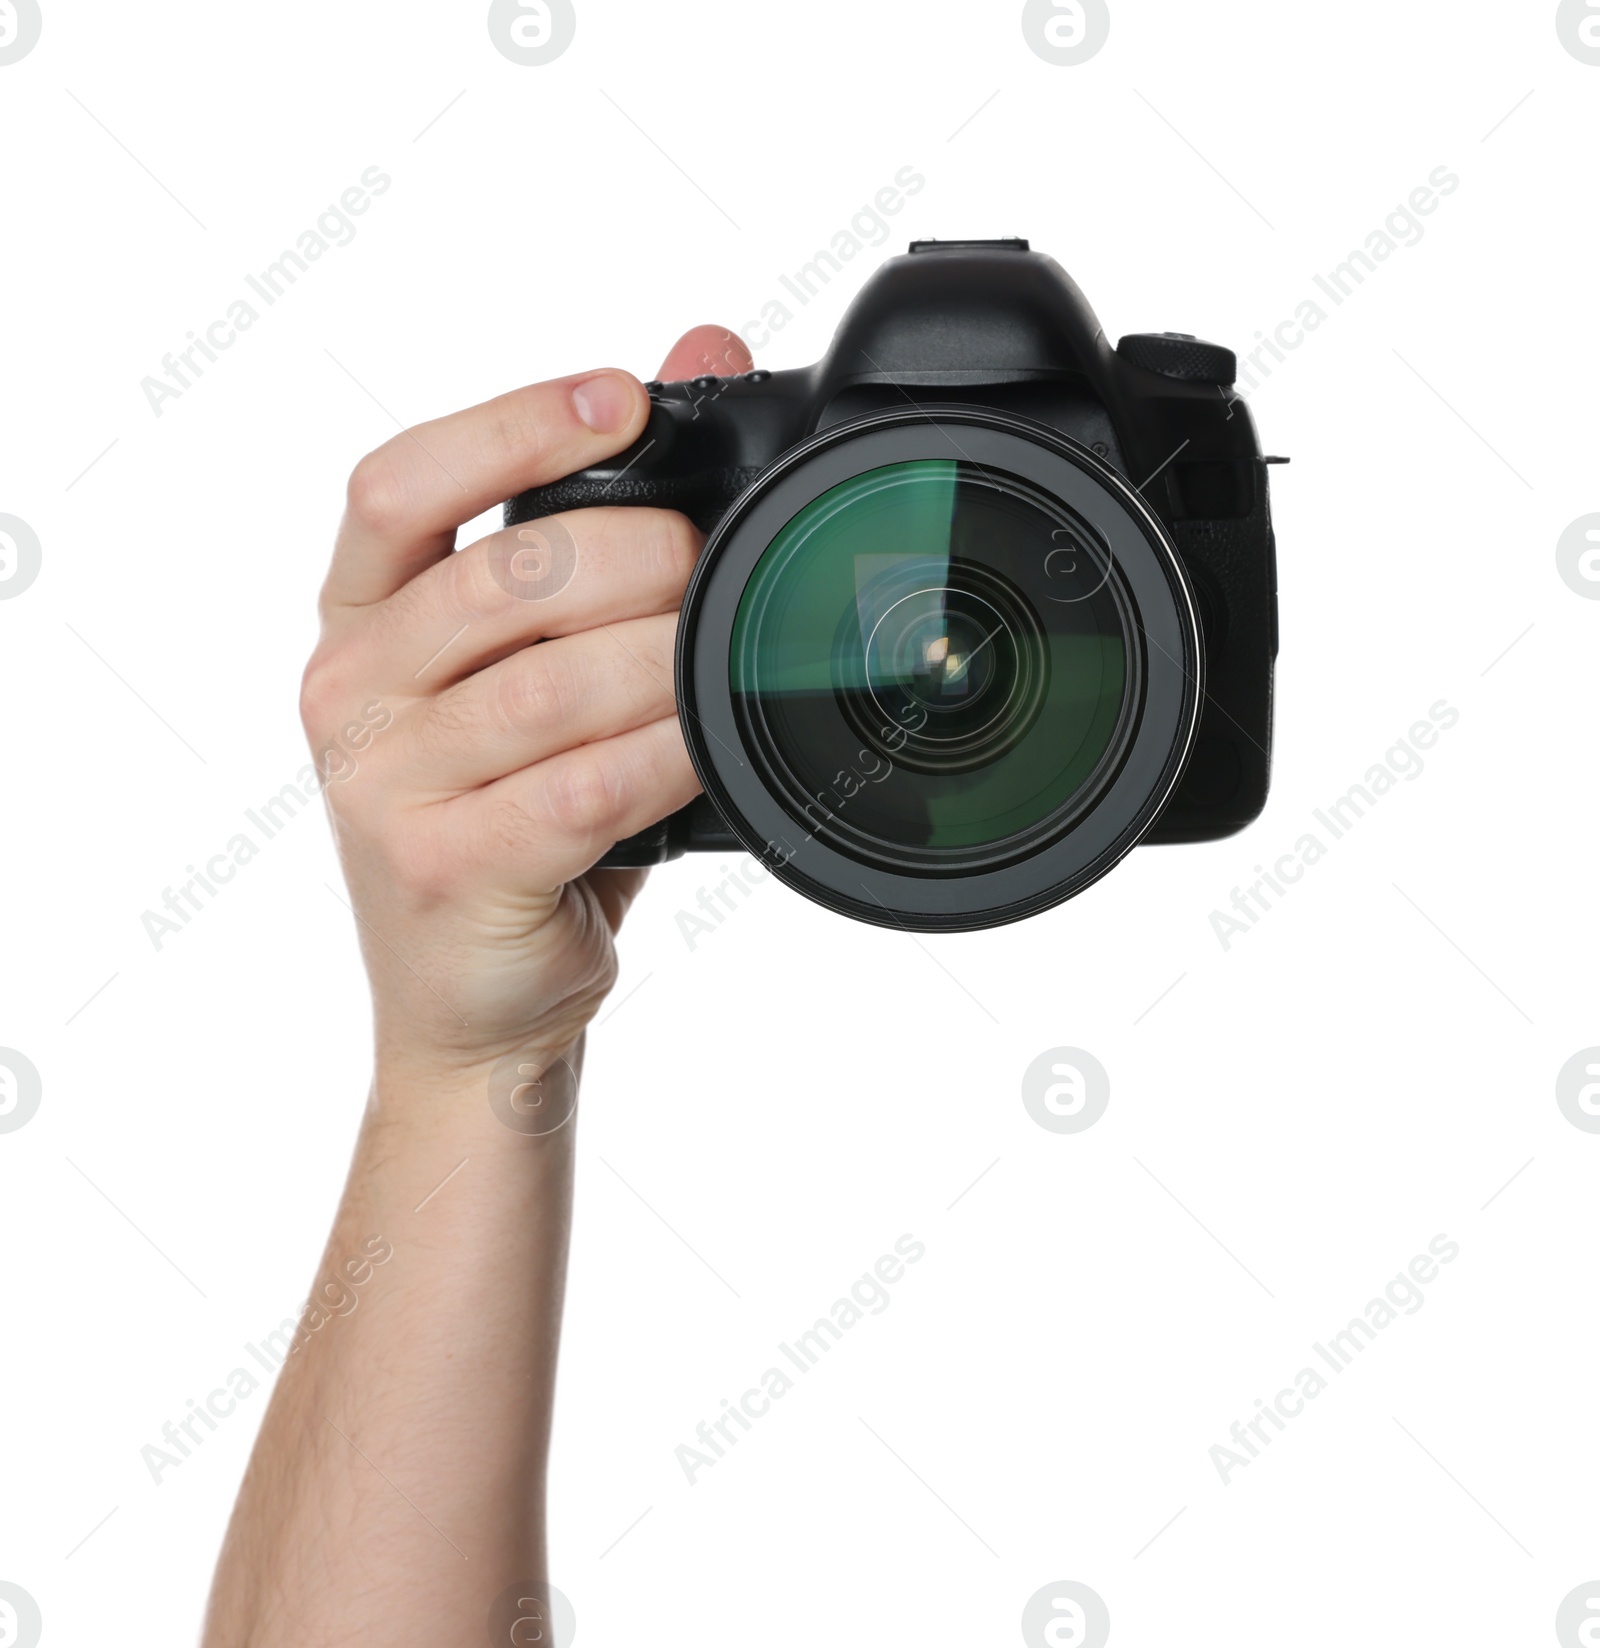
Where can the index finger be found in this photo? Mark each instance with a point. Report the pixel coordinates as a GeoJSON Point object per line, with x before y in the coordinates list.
{"type": "Point", "coordinates": [407, 498]}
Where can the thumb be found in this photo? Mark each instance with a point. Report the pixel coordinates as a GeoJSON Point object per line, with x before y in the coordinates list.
{"type": "Point", "coordinates": [705, 351]}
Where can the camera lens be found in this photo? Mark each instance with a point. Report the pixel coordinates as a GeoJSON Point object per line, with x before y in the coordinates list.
{"type": "Point", "coordinates": [907, 673]}
{"type": "Point", "coordinates": [959, 666]}
{"type": "Point", "coordinates": [939, 667]}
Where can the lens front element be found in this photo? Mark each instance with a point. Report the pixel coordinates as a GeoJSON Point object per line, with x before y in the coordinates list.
{"type": "Point", "coordinates": [935, 664]}
{"type": "Point", "coordinates": [957, 664]}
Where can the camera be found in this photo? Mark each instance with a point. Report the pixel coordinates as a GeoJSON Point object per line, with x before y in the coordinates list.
{"type": "Point", "coordinates": [985, 603]}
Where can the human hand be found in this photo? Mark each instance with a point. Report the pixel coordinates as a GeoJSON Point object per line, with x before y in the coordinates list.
{"type": "Point", "coordinates": [490, 773]}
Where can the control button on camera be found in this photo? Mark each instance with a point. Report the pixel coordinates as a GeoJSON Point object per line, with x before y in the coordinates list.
{"type": "Point", "coordinates": [1179, 355]}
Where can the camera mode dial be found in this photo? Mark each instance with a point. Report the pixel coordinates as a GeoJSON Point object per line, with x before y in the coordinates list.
{"type": "Point", "coordinates": [1179, 355]}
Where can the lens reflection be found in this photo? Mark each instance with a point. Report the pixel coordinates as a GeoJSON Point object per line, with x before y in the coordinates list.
{"type": "Point", "coordinates": [922, 674]}
{"type": "Point", "coordinates": [960, 669]}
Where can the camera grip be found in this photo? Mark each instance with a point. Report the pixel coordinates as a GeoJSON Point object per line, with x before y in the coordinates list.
{"type": "Point", "coordinates": [705, 496]}
{"type": "Point", "coordinates": [638, 478]}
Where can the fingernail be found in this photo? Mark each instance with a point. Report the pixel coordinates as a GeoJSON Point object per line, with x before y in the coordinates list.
{"type": "Point", "coordinates": [604, 403]}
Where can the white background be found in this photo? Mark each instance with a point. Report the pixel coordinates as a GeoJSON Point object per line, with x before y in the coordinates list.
{"type": "Point", "coordinates": [1296, 1117]}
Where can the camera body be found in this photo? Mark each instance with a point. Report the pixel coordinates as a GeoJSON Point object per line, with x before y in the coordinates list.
{"type": "Point", "coordinates": [992, 334]}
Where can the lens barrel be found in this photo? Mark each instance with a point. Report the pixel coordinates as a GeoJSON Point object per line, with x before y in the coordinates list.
{"type": "Point", "coordinates": [939, 668]}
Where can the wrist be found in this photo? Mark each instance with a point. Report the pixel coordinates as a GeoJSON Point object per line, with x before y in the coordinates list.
{"type": "Point", "coordinates": [528, 1091]}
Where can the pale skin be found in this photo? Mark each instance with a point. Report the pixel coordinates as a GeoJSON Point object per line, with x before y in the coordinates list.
{"type": "Point", "coordinates": [397, 1486]}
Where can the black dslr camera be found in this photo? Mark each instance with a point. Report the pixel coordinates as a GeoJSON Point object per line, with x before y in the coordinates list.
{"type": "Point", "coordinates": [985, 603]}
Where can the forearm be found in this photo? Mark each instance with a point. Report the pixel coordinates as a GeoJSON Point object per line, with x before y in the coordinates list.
{"type": "Point", "coordinates": [397, 1485]}
{"type": "Point", "coordinates": [487, 724]}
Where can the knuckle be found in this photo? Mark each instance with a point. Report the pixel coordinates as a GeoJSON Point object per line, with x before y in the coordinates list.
{"type": "Point", "coordinates": [579, 799]}
{"type": "Point", "coordinates": [515, 434]}
{"type": "Point", "coordinates": [538, 692]}
{"type": "Point", "coordinates": [503, 572]}
{"type": "Point", "coordinates": [321, 692]}
{"type": "Point", "coordinates": [676, 545]}
{"type": "Point", "coordinates": [644, 667]}
{"type": "Point", "coordinates": [479, 578]}
{"type": "Point", "coordinates": [378, 494]}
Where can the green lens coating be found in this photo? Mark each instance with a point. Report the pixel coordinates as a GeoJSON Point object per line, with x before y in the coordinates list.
{"type": "Point", "coordinates": [935, 661]}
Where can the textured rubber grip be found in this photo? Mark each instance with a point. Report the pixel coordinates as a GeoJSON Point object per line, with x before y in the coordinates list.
{"type": "Point", "coordinates": [1180, 355]}
{"type": "Point", "coordinates": [705, 497]}
{"type": "Point", "coordinates": [697, 828]}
